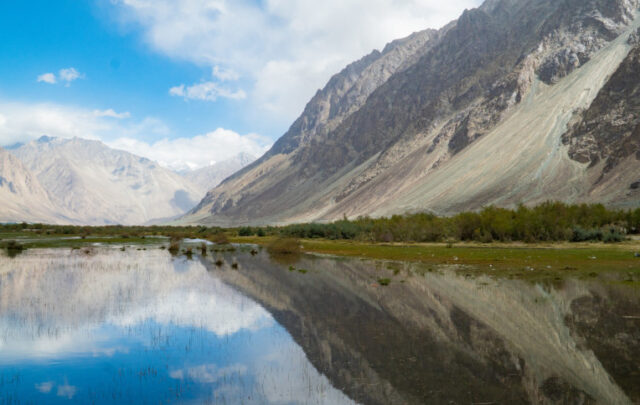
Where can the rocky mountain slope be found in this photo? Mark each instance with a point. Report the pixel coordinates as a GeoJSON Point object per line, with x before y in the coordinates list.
{"type": "Point", "coordinates": [209, 177]}
{"type": "Point", "coordinates": [23, 197]}
{"type": "Point", "coordinates": [94, 184]}
{"type": "Point", "coordinates": [494, 108]}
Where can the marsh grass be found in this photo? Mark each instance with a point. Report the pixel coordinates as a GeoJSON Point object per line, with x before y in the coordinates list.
{"type": "Point", "coordinates": [174, 246]}
{"type": "Point", "coordinates": [219, 238]}
{"type": "Point", "coordinates": [384, 281]}
{"type": "Point", "coordinates": [12, 248]}
{"type": "Point", "coordinates": [284, 246]}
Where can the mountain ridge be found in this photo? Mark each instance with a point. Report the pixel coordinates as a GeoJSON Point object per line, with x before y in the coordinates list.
{"type": "Point", "coordinates": [465, 82]}
{"type": "Point", "coordinates": [95, 185]}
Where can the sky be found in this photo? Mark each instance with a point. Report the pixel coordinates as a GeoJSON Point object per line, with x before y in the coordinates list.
{"type": "Point", "coordinates": [185, 82]}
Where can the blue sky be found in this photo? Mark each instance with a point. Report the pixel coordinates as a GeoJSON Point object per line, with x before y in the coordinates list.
{"type": "Point", "coordinates": [200, 79]}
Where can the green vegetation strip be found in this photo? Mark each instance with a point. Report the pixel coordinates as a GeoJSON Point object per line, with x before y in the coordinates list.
{"type": "Point", "coordinates": [535, 261]}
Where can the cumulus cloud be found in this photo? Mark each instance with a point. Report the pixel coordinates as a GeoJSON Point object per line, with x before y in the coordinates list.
{"type": "Point", "coordinates": [111, 114]}
{"type": "Point", "coordinates": [206, 91]}
{"type": "Point", "coordinates": [47, 78]}
{"type": "Point", "coordinates": [286, 48]}
{"type": "Point", "coordinates": [21, 122]}
{"type": "Point", "coordinates": [69, 75]}
{"type": "Point", "coordinates": [196, 152]}
{"type": "Point", "coordinates": [224, 74]}
{"type": "Point", "coordinates": [24, 122]}
{"type": "Point", "coordinates": [66, 76]}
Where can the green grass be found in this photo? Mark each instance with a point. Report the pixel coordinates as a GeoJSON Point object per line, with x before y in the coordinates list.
{"type": "Point", "coordinates": [537, 262]}
{"type": "Point", "coordinates": [547, 262]}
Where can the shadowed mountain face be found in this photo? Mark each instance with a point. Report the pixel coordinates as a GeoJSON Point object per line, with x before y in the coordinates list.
{"type": "Point", "coordinates": [421, 125]}
{"type": "Point", "coordinates": [442, 338]}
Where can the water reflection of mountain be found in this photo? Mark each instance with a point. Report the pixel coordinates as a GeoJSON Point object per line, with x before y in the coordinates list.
{"type": "Point", "coordinates": [441, 338]}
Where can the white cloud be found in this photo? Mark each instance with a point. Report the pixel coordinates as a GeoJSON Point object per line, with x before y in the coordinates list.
{"type": "Point", "coordinates": [111, 114]}
{"type": "Point", "coordinates": [196, 152]}
{"type": "Point", "coordinates": [64, 75]}
{"type": "Point", "coordinates": [24, 122]}
{"type": "Point", "coordinates": [47, 78]}
{"type": "Point", "coordinates": [288, 48]}
{"type": "Point", "coordinates": [69, 75]}
{"type": "Point", "coordinates": [224, 75]}
{"type": "Point", "coordinates": [206, 91]}
{"type": "Point", "coordinates": [20, 122]}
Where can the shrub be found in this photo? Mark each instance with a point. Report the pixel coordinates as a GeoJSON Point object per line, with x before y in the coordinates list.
{"type": "Point", "coordinates": [583, 235]}
{"type": "Point", "coordinates": [219, 238]}
{"type": "Point", "coordinates": [174, 246]}
{"type": "Point", "coordinates": [284, 246]}
{"type": "Point", "coordinates": [245, 231]}
{"type": "Point", "coordinates": [13, 248]}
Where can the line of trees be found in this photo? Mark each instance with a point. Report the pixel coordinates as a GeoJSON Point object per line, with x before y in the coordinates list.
{"type": "Point", "coordinates": [548, 222]}
{"type": "Point", "coordinates": [551, 221]}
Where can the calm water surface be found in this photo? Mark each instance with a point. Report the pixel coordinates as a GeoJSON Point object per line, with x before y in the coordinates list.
{"type": "Point", "coordinates": [140, 326]}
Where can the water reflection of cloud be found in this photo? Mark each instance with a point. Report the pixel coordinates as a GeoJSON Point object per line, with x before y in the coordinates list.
{"type": "Point", "coordinates": [223, 314]}
{"type": "Point", "coordinates": [67, 391]}
{"type": "Point", "coordinates": [209, 373]}
{"type": "Point", "coordinates": [53, 302]}
{"type": "Point", "coordinates": [45, 387]}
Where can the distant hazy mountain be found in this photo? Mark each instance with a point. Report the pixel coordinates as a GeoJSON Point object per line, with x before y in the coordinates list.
{"type": "Point", "coordinates": [208, 177]}
{"type": "Point", "coordinates": [95, 184]}
{"type": "Point", "coordinates": [22, 197]}
{"type": "Point", "coordinates": [517, 101]}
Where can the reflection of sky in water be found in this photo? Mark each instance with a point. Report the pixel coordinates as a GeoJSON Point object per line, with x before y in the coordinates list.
{"type": "Point", "coordinates": [139, 327]}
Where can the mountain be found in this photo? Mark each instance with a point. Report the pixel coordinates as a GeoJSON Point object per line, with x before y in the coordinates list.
{"type": "Point", "coordinates": [517, 101]}
{"type": "Point", "coordinates": [208, 177]}
{"type": "Point", "coordinates": [23, 197]}
{"type": "Point", "coordinates": [96, 185]}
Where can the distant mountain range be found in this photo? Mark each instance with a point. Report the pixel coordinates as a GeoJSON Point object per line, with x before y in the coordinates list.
{"type": "Point", "coordinates": [85, 182]}
{"type": "Point", "coordinates": [517, 101]}
{"type": "Point", "coordinates": [209, 177]}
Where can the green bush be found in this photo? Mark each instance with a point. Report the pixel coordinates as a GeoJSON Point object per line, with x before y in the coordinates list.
{"type": "Point", "coordinates": [245, 231]}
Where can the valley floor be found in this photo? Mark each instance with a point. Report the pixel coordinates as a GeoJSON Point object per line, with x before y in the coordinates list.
{"type": "Point", "coordinates": [545, 262]}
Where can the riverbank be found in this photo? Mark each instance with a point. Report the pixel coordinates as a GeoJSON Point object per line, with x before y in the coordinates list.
{"type": "Point", "coordinates": [538, 261]}
{"type": "Point", "coordinates": [530, 261]}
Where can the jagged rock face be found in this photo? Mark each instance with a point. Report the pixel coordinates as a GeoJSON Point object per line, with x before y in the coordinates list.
{"type": "Point", "coordinates": [94, 184]}
{"type": "Point", "coordinates": [609, 131]}
{"type": "Point", "coordinates": [23, 197]}
{"type": "Point", "coordinates": [424, 127]}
